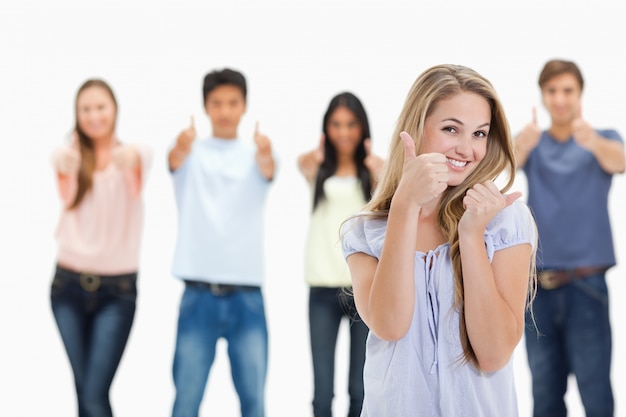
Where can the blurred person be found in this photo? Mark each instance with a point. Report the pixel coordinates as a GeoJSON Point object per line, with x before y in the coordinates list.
{"type": "Point", "coordinates": [341, 173]}
{"type": "Point", "coordinates": [569, 169]}
{"type": "Point", "coordinates": [221, 183]}
{"type": "Point", "coordinates": [94, 291]}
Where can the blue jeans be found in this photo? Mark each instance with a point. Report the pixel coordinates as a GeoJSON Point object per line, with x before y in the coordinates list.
{"type": "Point", "coordinates": [327, 307]}
{"type": "Point", "coordinates": [574, 337]}
{"type": "Point", "coordinates": [238, 317]}
{"type": "Point", "coordinates": [94, 324]}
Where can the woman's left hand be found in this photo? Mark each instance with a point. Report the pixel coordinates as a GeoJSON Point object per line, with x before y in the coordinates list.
{"type": "Point", "coordinates": [125, 157]}
{"type": "Point", "coordinates": [482, 202]}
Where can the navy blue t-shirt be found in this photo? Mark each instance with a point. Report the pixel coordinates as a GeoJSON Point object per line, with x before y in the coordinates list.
{"type": "Point", "coordinates": [568, 193]}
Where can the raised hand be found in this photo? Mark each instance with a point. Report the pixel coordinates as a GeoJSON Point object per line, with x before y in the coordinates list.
{"type": "Point", "coordinates": [424, 177]}
{"type": "Point", "coordinates": [67, 160]}
{"type": "Point", "coordinates": [264, 158]}
{"type": "Point", "coordinates": [262, 142]}
{"type": "Point", "coordinates": [584, 135]}
{"type": "Point", "coordinates": [186, 137]}
{"type": "Point", "coordinates": [482, 202]}
{"type": "Point", "coordinates": [184, 142]}
{"type": "Point", "coordinates": [372, 162]}
{"type": "Point", "coordinates": [529, 137]}
{"type": "Point", "coordinates": [309, 162]}
{"type": "Point", "coordinates": [125, 157]}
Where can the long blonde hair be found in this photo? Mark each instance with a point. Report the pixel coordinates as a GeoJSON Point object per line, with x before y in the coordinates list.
{"type": "Point", "coordinates": [433, 85]}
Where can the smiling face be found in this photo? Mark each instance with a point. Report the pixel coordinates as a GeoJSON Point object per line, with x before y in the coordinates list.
{"type": "Point", "coordinates": [458, 128]}
{"type": "Point", "coordinates": [561, 96]}
{"type": "Point", "coordinates": [96, 113]}
{"type": "Point", "coordinates": [225, 105]}
{"type": "Point", "coordinates": [344, 131]}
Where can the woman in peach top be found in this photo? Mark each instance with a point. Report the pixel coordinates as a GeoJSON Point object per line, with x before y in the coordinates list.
{"type": "Point", "coordinates": [94, 291]}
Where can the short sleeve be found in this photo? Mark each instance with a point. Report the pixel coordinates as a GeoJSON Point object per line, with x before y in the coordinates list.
{"type": "Point", "coordinates": [514, 225]}
{"type": "Point", "coordinates": [362, 233]}
{"type": "Point", "coordinates": [611, 134]}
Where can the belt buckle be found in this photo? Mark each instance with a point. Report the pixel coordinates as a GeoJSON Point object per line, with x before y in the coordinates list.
{"type": "Point", "coordinates": [546, 278]}
{"type": "Point", "coordinates": [89, 282]}
{"type": "Point", "coordinates": [217, 289]}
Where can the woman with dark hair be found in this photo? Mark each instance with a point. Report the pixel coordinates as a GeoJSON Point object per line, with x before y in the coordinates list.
{"type": "Point", "coordinates": [342, 174]}
{"type": "Point", "coordinates": [94, 291]}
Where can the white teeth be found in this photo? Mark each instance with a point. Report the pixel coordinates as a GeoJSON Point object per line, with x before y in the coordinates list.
{"type": "Point", "coordinates": [457, 163]}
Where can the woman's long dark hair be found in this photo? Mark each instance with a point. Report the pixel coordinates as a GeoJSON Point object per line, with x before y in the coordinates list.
{"type": "Point", "coordinates": [329, 166]}
{"type": "Point", "coordinates": [87, 152]}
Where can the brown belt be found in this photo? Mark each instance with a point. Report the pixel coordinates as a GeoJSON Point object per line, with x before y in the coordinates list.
{"type": "Point", "coordinates": [554, 278]}
{"type": "Point", "coordinates": [92, 282]}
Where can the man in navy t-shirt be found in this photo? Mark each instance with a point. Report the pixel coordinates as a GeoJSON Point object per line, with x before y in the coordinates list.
{"type": "Point", "coordinates": [569, 168]}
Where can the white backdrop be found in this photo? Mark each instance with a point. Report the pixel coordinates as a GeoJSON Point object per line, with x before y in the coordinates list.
{"type": "Point", "coordinates": [295, 57]}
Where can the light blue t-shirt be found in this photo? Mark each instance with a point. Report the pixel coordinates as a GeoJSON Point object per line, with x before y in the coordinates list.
{"type": "Point", "coordinates": [422, 374]}
{"type": "Point", "coordinates": [220, 196]}
{"type": "Point", "coordinates": [568, 193]}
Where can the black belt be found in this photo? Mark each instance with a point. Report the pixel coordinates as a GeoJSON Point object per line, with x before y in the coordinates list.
{"type": "Point", "coordinates": [554, 278]}
{"type": "Point", "coordinates": [221, 289]}
{"type": "Point", "coordinates": [92, 282]}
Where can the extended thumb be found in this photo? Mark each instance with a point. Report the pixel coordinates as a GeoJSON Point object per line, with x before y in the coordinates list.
{"type": "Point", "coordinates": [409, 146]}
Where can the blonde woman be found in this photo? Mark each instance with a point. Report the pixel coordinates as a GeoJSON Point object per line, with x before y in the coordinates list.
{"type": "Point", "coordinates": [441, 261]}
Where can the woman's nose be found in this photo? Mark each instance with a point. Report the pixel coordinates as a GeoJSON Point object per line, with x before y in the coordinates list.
{"type": "Point", "coordinates": [464, 146]}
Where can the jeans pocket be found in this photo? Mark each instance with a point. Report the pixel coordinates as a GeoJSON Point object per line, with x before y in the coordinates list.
{"type": "Point", "coordinates": [124, 288]}
{"type": "Point", "coordinates": [595, 287]}
{"type": "Point", "coordinates": [253, 302]}
{"type": "Point", "coordinates": [57, 287]}
{"type": "Point", "coordinates": [191, 298]}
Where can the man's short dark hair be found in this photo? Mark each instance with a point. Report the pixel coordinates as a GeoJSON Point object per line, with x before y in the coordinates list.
{"type": "Point", "coordinates": [556, 67]}
{"type": "Point", "coordinates": [225, 76]}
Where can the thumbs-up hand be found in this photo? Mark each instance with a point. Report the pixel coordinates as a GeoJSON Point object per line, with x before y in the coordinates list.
{"type": "Point", "coordinates": [529, 137]}
{"type": "Point", "coordinates": [181, 150]}
{"type": "Point", "coordinates": [482, 202]}
{"type": "Point", "coordinates": [264, 157]}
{"type": "Point", "coordinates": [583, 133]}
{"type": "Point", "coordinates": [424, 177]}
{"type": "Point", "coordinates": [262, 142]}
{"type": "Point", "coordinates": [125, 157]}
{"type": "Point", "coordinates": [67, 160]}
{"type": "Point", "coordinates": [372, 162]}
{"type": "Point", "coordinates": [309, 162]}
{"type": "Point", "coordinates": [186, 138]}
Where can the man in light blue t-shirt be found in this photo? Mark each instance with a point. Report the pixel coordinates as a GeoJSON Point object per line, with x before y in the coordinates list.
{"type": "Point", "coordinates": [569, 168]}
{"type": "Point", "coordinates": [221, 183]}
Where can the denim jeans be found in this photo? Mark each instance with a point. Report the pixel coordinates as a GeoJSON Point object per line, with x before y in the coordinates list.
{"type": "Point", "coordinates": [94, 325]}
{"type": "Point", "coordinates": [574, 337]}
{"type": "Point", "coordinates": [327, 307]}
{"type": "Point", "coordinates": [239, 318]}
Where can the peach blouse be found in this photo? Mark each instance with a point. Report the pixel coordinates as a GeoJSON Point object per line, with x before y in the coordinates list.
{"type": "Point", "coordinates": [103, 234]}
